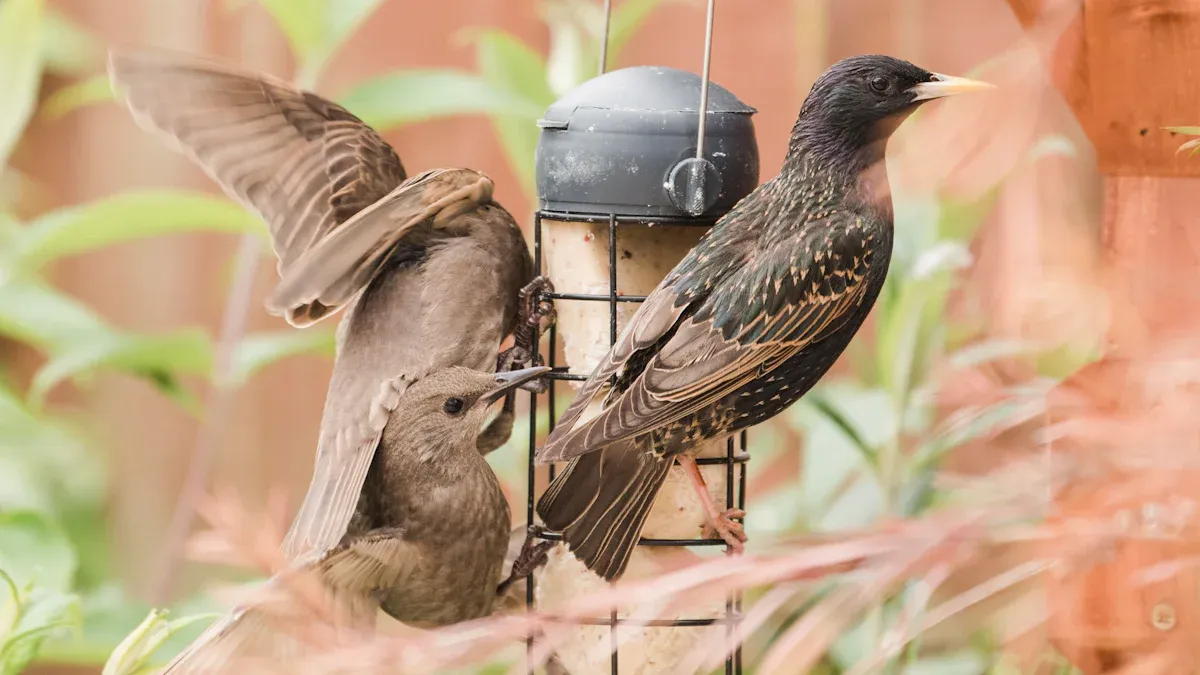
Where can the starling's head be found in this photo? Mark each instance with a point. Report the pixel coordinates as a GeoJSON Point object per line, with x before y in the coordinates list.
{"type": "Point", "coordinates": [854, 107]}
{"type": "Point", "coordinates": [445, 409]}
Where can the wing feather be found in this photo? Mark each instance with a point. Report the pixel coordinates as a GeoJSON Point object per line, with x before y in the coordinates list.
{"type": "Point", "coordinates": [338, 476]}
{"type": "Point", "coordinates": [654, 319]}
{"type": "Point", "coordinates": [304, 164]}
{"type": "Point", "coordinates": [332, 272]}
{"type": "Point", "coordinates": [720, 347]}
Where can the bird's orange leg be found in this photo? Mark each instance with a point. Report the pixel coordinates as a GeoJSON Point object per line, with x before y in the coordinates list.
{"type": "Point", "coordinates": [720, 522]}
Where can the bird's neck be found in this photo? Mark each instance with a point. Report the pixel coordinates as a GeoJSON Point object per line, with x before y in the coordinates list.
{"type": "Point", "coordinates": [859, 164]}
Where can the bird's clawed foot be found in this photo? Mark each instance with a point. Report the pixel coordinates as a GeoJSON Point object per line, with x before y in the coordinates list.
{"type": "Point", "coordinates": [534, 307]}
{"type": "Point", "coordinates": [531, 557]}
{"type": "Point", "coordinates": [725, 527]}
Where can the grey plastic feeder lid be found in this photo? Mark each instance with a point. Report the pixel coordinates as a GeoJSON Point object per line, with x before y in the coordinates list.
{"type": "Point", "coordinates": [616, 143]}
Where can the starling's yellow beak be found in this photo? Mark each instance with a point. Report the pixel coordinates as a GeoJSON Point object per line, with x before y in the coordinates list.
{"type": "Point", "coordinates": [947, 85]}
{"type": "Point", "coordinates": [510, 380]}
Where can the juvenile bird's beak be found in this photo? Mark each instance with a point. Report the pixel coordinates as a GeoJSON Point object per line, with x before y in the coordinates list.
{"type": "Point", "coordinates": [510, 380]}
{"type": "Point", "coordinates": [947, 85]}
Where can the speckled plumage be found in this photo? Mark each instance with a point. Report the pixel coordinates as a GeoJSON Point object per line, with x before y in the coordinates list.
{"type": "Point", "coordinates": [746, 323]}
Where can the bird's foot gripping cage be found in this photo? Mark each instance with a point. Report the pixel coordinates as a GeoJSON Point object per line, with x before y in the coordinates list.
{"type": "Point", "coordinates": [630, 177]}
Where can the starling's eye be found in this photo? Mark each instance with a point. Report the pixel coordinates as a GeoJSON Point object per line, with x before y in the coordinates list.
{"type": "Point", "coordinates": [879, 84]}
{"type": "Point", "coordinates": [453, 406]}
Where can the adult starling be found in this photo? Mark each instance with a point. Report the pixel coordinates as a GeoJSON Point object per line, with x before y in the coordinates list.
{"type": "Point", "coordinates": [431, 271]}
{"type": "Point", "coordinates": [430, 531]}
{"type": "Point", "coordinates": [747, 322]}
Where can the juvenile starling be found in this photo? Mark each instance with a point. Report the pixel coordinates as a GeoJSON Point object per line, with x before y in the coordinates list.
{"type": "Point", "coordinates": [428, 539]}
{"type": "Point", "coordinates": [431, 271]}
{"type": "Point", "coordinates": [747, 322]}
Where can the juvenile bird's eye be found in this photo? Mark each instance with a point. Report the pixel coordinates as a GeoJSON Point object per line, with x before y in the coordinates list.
{"type": "Point", "coordinates": [879, 83]}
{"type": "Point", "coordinates": [453, 406]}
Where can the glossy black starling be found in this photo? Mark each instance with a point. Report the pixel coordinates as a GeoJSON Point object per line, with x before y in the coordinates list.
{"type": "Point", "coordinates": [431, 527]}
{"type": "Point", "coordinates": [432, 272]}
{"type": "Point", "coordinates": [747, 322]}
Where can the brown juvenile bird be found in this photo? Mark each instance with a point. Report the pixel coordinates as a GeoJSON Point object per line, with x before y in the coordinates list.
{"type": "Point", "coordinates": [430, 531]}
{"type": "Point", "coordinates": [431, 271]}
{"type": "Point", "coordinates": [747, 322]}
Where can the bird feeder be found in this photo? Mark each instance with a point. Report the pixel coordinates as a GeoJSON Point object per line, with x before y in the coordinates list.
{"type": "Point", "coordinates": [630, 176]}
{"type": "Point", "coordinates": [1122, 67]}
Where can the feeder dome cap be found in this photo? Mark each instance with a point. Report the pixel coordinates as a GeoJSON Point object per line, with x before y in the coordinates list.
{"type": "Point", "coordinates": [623, 143]}
{"type": "Point", "coordinates": [644, 89]}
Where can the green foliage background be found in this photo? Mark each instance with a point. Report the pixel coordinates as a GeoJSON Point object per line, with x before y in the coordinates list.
{"type": "Point", "coordinates": [58, 600]}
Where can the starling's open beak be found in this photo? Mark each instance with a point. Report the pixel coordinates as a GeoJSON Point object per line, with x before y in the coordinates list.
{"type": "Point", "coordinates": [512, 379]}
{"type": "Point", "coordinates": [947, 85]}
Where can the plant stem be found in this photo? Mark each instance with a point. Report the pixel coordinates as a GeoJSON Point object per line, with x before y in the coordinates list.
{"type": "Point", "coordinates": [220, 396]}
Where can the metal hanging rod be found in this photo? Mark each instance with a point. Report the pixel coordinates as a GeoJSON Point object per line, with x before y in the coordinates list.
{"type": "Point", "coordinates": [604, 37]}
{"type": "Point", "coordinates": [708, 34]}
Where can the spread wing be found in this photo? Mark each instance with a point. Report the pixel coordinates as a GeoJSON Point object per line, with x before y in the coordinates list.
{"type": "Point", "coordinates": [302, 163]}
{"type": "Point", "coordinates": [378, 559]}
{"type": "Point", "coordinates": [782, 299]}
{"type": "Point", "coordinates": [332, 272]}
{"type": "Point", "coordinates": [338, 477]}
{"type": "Point", "coordinates": [656, 317]}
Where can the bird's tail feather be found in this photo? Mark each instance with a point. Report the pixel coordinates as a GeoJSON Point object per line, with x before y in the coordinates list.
{"type": "Point", "coordinates": [600, 503]}
{"type": "Point", "coordinates": [241, 633]}
{"type": "Point", "coordinates": [247, 632]}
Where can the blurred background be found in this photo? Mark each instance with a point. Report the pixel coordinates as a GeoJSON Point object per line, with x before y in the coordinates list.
{"type": "Point", "coordinates": [119, 260]}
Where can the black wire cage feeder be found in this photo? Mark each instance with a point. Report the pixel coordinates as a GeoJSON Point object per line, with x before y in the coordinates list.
{"type": "Point", "coordinates": [630, 175]}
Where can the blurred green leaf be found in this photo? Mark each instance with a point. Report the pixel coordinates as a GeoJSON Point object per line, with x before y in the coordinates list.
{"type": "Point", "coordinates": [20, 68]}
{"type": "Point", "coordinates": [85, 92]}
{"type": "Point", "coordinates": [836, 473]}
{"type": "Point", "coordinates": [966, 424]}
{"type": "Point", "coordinates": [39, 614]}
{"type": "Point", "coordinates": [510, 65]}
{"type": "Point", "coordinates": [576, 31]}
{"type": "Point", "coordinates": [124, 217]}
{"type": "Point", "coordinates": [132, 656]}
{"type": "Point", "coordinates": [1051, 145]}
{"type": "Point", "coordinates": [340, 19]}
{"type": "Point", "coordinates": [415, 95]}
{"type": "Point", "coordinates": [79, 342]}
{"type": "Point", "coordinates": [985, 351]}
{"type": "Point", "coordinates": [964, 662]}
{"type": "Point", "coordinates": [959, 221]}
{"type": "Point", "coordinates": [54, 460]}
{"type": "Point", "coordinates": [258, 351]}
{"type": "Point", "coordinates": [1194, 146]}
{"type": "Point", "coordinates": [22, 487]}
{"type": "Point", "coordinates": [35, 550]}
{"type": "Point", "coordinates": [343, 17]}
{"type": "Point", "coordinates": [66, 47]}
{"type": "Point", "coordinates": [158, 358]}
{"type": "Point", "coordinates": [41, 316]}
{"type": "Point", "coordinates": [1187, 131]}
{"type": "Point", "coordinates": [10, 604]}
{"type": "Point", "coordinates": [571, 59]}
{"type": "Point", "coordinates": [823, 405]}
{"type": "Point", "coordinates": [300, 21]}
{"type": "Point", "coordinates": [1061, 361]}
{"type": "Point", "coordinates": [910, 332]}
{"type": "Point", "coordinates": [316, 29]}
{"type": "Point", "coordinates": [110, 614]}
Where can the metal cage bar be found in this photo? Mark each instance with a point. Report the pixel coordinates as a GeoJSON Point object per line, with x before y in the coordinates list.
{"type": "Point", "coordinates": [736, 455]}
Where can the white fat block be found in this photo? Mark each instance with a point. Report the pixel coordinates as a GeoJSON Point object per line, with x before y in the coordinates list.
{"type": "Point", "coordinates": [643, 650]}
{"type": "Point", "coordinates": [577, 262]}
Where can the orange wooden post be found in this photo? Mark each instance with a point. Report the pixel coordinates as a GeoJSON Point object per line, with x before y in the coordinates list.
{"type": "Point", "coordinates": [1128, 68]}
